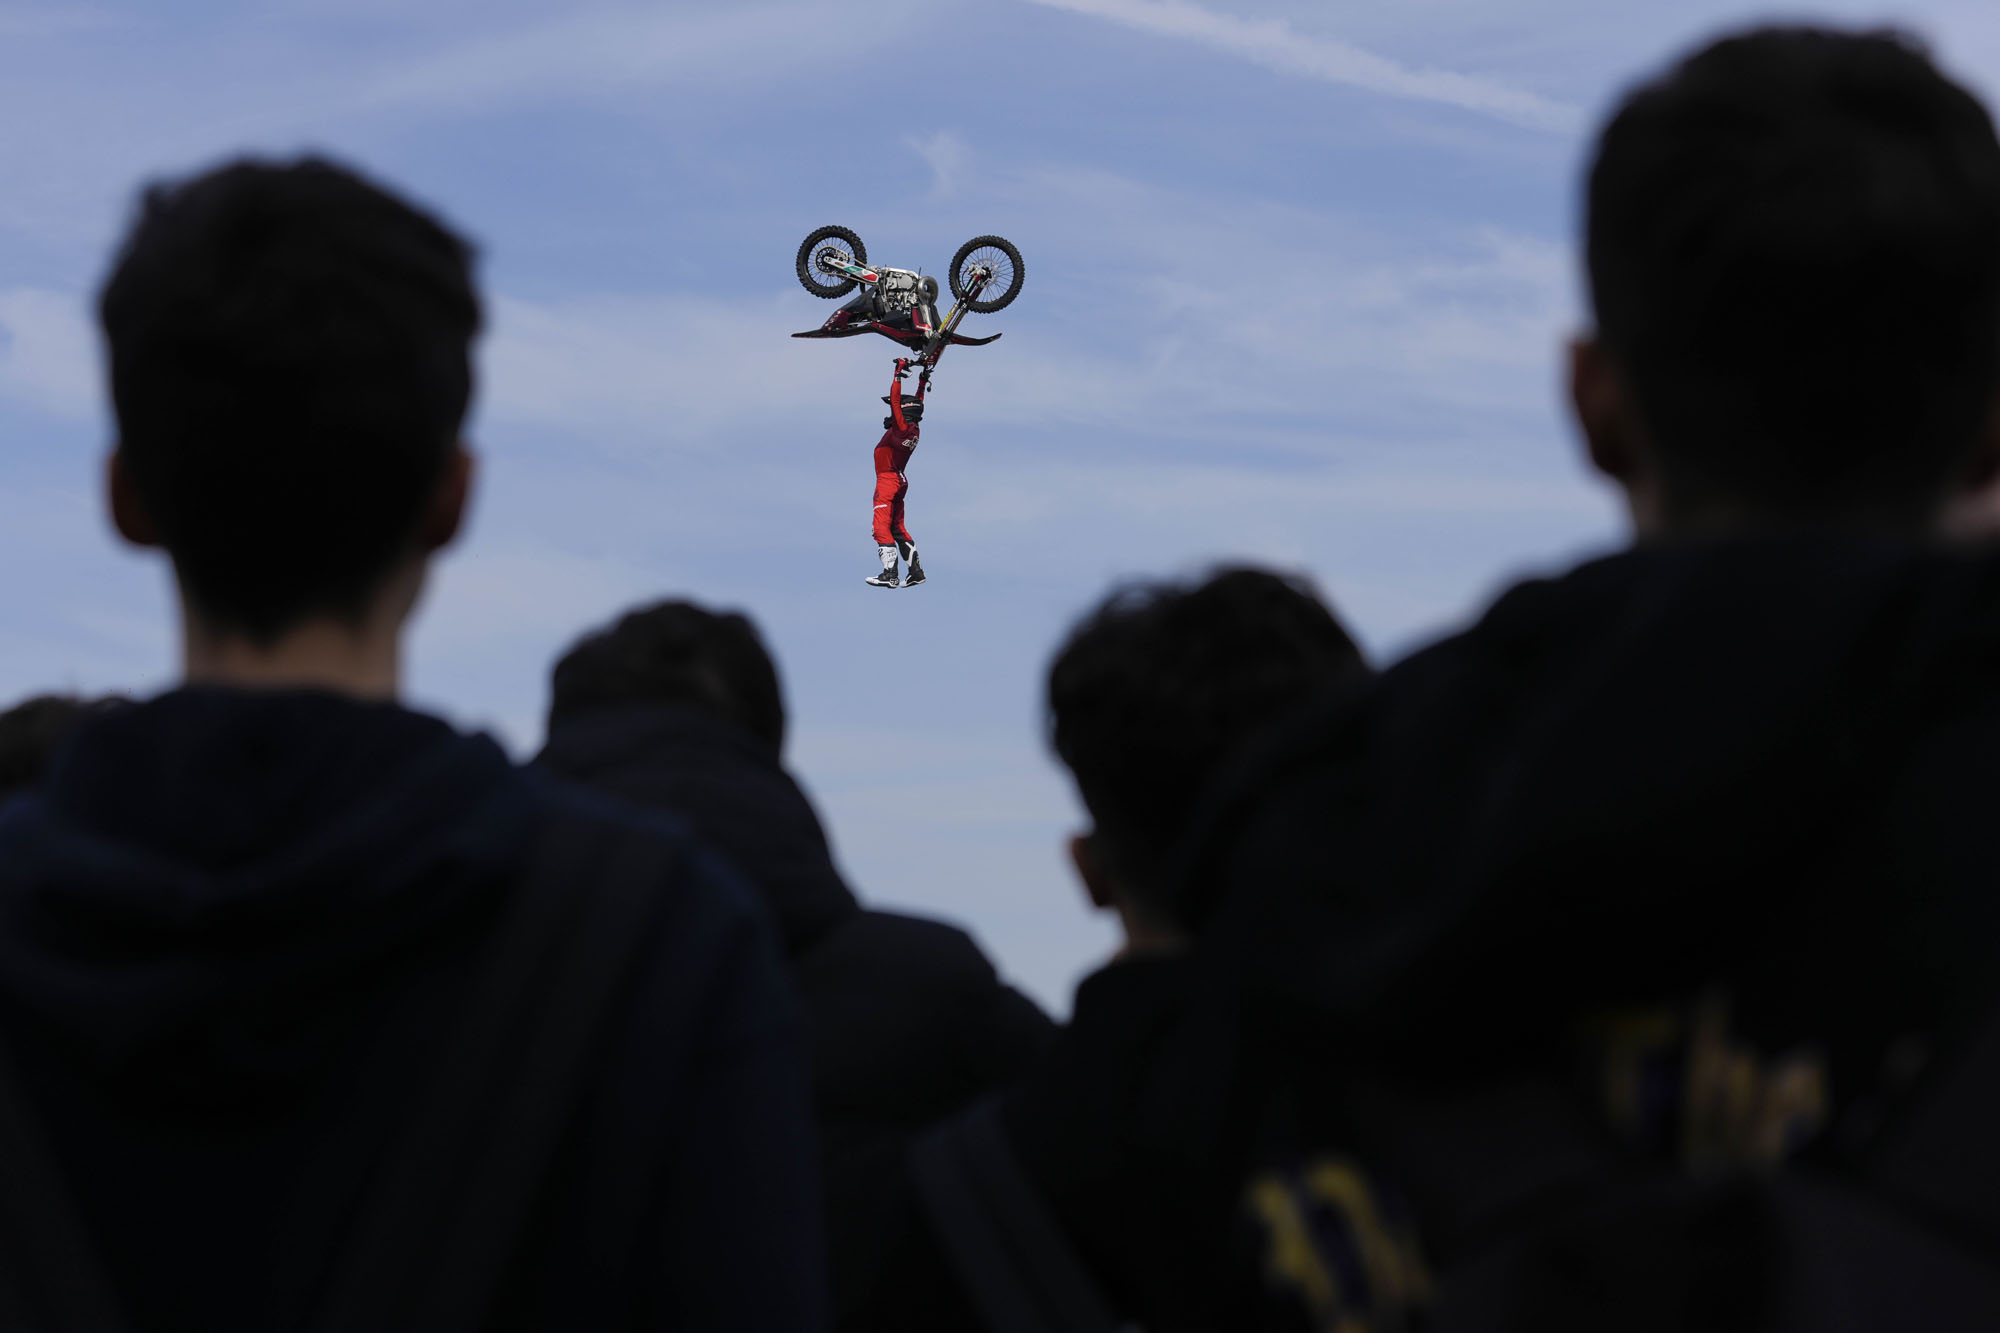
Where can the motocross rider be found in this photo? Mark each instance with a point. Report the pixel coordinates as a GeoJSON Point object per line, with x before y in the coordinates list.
{"type": "Point", "coordinates": [892, 457]}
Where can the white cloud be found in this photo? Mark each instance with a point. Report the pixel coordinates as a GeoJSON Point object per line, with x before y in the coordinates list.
{"type": "Point", "coordinates": [662, 371]}
{"type": "Point", "coordinates": [81, 613]}
{"type": "Point", "coordinates": [49, 353]}
{"type": "Point", "coordinates": [1276, 45]}
{"type": "Point", "coordinates": [946, 155]}
{"type": "Point", "coordinates": [499, 613]}
{"type": "Point", "coordinates": [1187, 315]}
{"type": "Point", "coordinates": [989, 807]}
{"type": "Point", "coordinates": [1412, 380]}
{"type": "Point", "coordinates": [618, 48]}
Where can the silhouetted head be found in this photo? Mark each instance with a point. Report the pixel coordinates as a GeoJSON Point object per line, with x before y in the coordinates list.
{"type": "Point", "coordinates": [1154, 689]}
{"type": "Point", "coordinates": [675, 653]}
{"type": "Point", "coordinates": [1793, 245]}
{"type": "Point", "coordinates": [290, 367]}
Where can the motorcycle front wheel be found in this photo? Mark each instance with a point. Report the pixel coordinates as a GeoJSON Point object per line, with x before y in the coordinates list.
{"type": "Point", "coordinates": [834, 241]}
{"type": "Point", "coordinates": [999, 257]}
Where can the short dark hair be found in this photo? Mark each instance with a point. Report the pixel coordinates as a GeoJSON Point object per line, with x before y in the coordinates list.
{"type": "Point", "coordinates": [1793, 243]}
{"type": "Point", "coordinates": [290, 352]}
{"type": "Point", "coordinates": [1154, 689]}
{"type": "Point", "coordinates": [32, 731]}
{"type": "Point", "coordinates": [675, 652]}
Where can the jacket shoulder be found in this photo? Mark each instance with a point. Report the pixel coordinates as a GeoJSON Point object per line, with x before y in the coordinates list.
{"type": "Point", "coordinates": [699, 879]}
{"type": "Point", "coordinates": [922, 951]}
{"type": "Point", "coordinates": [909, 1019]}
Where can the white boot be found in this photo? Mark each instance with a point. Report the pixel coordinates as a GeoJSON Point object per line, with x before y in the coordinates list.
{"type": "Point", "coordinates": [916, 574]}
{"type": "Point", "coordinates": [887, 578]}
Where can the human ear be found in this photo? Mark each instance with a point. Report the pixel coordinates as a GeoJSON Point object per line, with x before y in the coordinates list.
{"type": "Point", "coordinates": [128, 511]}
{"type": "Point", "coordinates": [1598, 399]}
{"type": "Point", "coordinates": [444, 514]}
{"type": "Point", "coordinates": [1090, 869]}
{"type": "Point", "coordinates": [1601, 400]}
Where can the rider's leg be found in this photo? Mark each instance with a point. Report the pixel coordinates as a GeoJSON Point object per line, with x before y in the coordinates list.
{"type": "Point", "coordinates": [887, 577]}
{"type": "Point", "coordinates": [906, 546]}
{"type": "Point", "coordinates": [887, 511]}
{"type": "Point", "coordinates": [898, 533]}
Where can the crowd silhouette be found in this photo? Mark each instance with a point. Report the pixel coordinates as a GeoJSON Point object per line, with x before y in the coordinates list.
{"type": "Point", "coordinates": [1627, 961]}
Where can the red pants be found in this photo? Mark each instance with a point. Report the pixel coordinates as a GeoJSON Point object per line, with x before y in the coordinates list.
{"type": "Point", "coordinates": [890, 488]}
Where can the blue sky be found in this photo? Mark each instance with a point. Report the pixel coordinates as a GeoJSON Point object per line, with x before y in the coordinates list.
{"type": "Point", "coordinates": [1298, 276]}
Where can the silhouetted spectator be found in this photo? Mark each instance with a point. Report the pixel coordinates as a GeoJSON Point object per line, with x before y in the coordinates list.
{"type": "Point", "coordinates": [679, 707]}
{"type": "Point", "coordinates": [324, 1013]}
{"type": "Point", "coordinates": [1150, 698]}
{"type": "Point", "coordinates": [32, 731]}
{"type": "Point", "coordinates": [1643, 938]}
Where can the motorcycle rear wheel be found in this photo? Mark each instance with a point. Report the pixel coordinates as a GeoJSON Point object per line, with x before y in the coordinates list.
{"type": "Point", "coordinates": [815, 279]}
{"type": "Point", "coordinates": [997, 253]}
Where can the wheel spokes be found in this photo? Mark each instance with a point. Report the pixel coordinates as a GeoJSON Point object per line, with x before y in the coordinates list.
{"type": "Point", "coordinates": [827, 259]}
{"type": "Point", "coordinates": [996, 262]}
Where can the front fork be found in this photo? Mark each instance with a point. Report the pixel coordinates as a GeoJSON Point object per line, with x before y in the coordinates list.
{"type": "Point", "coordinates": [941, 339]}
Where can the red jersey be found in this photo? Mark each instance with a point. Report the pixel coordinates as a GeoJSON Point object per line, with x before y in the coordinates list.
{"type": "Point", "coordinates": [892, 452]}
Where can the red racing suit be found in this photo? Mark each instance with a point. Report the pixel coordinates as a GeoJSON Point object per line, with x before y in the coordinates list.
{"type": "Point", "coordinates": [892, 457]}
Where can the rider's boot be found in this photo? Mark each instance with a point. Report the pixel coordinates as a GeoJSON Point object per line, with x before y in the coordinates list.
{"type": "Point", "coordinates": [916, 574]}
{"type": "Point", "coordinates": [887, 578]}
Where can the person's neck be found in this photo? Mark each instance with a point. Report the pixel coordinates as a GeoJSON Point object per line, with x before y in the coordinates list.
{"type": "Point", "coordinates": [321, 655]}
{"type": "Point", "coordinates": [1652, 524]}
{"type": "Point", "coordinates": [1146, 934]}
{"type": "Point", "coordinates": [360, 657]}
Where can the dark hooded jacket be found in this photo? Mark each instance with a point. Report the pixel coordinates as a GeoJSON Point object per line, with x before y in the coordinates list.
{"type": "Point", "coordinates": [1750, 779]}
{"type": "Point", "coordinates": [235, 930]}
{"type": "Point", "coordinates": [907, 1020]}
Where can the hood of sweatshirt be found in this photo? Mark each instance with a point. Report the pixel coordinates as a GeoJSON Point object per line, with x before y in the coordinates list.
{"type": "Point", "coordinates": [1766, 763]}
{"type": "Point", "coordinates": [206, 881]}
{"type": "Point", "coordinates": [729, 786]}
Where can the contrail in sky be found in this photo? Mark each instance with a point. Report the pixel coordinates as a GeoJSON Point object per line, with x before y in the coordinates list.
{"type": "Point", "coordinates": [1274, 44]}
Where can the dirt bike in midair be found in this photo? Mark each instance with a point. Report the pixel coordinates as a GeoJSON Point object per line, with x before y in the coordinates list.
{"type": "Point", "coordinates": [901, 304]}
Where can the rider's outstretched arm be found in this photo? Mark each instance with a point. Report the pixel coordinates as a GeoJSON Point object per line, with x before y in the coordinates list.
{"type": "Point", "coordinates": [896, 398]}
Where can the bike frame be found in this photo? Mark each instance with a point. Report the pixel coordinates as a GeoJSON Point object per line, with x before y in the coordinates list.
{"type": "Point", "coordinates": [934, 349]}
{"type": "Point", "coordinates": [941, 337]}
{"type": "Point", "coordinates": [847, 268]}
